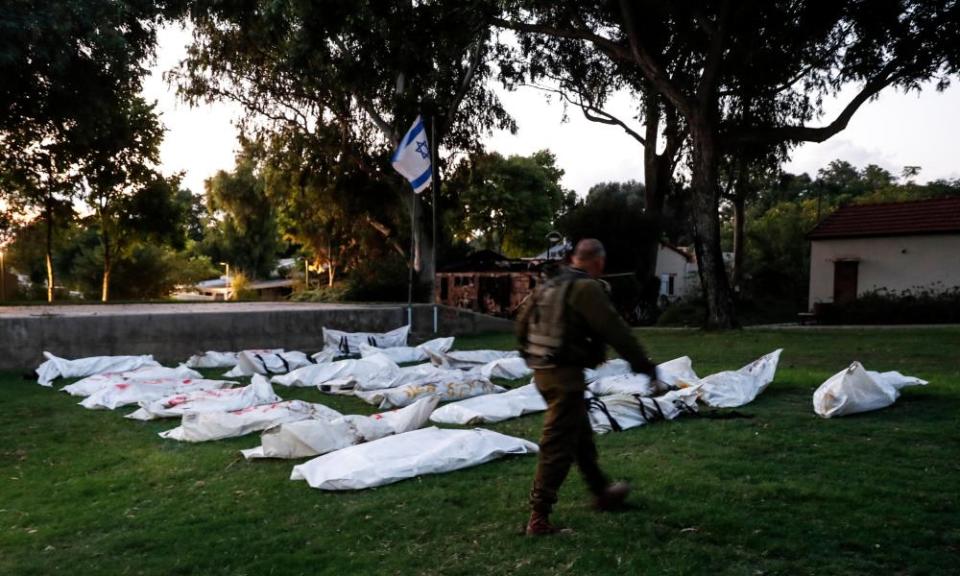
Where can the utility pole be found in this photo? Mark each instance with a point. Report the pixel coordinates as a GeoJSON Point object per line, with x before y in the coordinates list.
{"type": "Point", "coordinates": [434, 184]}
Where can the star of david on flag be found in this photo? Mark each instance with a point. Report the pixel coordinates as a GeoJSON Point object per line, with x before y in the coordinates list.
{"type": "Point", "coordinates": [412, 158]}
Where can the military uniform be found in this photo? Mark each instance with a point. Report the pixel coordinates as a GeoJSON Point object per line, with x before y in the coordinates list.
{"type": "Point", "coordinates": [563, 329]}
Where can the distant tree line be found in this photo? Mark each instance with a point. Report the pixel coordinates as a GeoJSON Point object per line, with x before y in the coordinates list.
{"type": "Point", "coordinates": [721, 91]}
{"type": "Point", "coordinates": [783, 208]}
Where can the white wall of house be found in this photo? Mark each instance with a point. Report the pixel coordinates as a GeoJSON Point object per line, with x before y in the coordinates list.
{"type": "Point", "coordinates": [896, 263]}
{"type": "Point", "coordinates": [672, 265]}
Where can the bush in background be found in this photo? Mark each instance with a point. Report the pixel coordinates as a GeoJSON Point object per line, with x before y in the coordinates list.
{"type": "Point", "coordinates": [336, 293]}
{"type": "Point", "coordinates": [683, 313]}
{"type": "Point", "coordinates": [240, 287]}
{"type": "Point", "coordinates": [375, 280]}
{"type": "Point", "coordinates": [920, 306]}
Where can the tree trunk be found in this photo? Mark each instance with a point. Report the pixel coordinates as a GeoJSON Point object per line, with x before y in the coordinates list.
{"type": "Point", "coordinates": [657, 174]}
{"type": "Point", "coordinates": [49, 252]}
{"type": "Point", "coordinates": [107, 266]}
{"type": "Point", "coordinates": [706, 226]}
{"type": "Point", "coordinates": [654, 182]}
{"type": "Point", "coordinates": [105, 294]}
{"type": "Point", "coordinates": [331, 264]}
{"type": "Point", "coordinates": [739, 213]}
{"type": "Point", "coordinates": [107, 258]}
{"type": "Point", "coordinates": [656, 185]}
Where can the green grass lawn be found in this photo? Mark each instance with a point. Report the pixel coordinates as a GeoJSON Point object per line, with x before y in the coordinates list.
{"type": "Point", "coordinates": [785, 492]}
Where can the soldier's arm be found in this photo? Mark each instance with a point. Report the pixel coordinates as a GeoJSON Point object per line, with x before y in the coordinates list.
{"type": "Point", "coordinates": [590, 300]}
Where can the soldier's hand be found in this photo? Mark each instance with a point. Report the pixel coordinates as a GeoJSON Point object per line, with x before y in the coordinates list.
{"type": "Point", "coordinates": [648, 369]}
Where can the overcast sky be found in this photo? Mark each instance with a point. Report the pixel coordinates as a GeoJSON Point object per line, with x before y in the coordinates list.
{"type": "Point", "coordinates": [893, 131]}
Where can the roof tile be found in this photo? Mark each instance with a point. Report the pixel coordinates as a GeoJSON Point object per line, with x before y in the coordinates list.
{"type": "Point", "coordinates": [938, 216]}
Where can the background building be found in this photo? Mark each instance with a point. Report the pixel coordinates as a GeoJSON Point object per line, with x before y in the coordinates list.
{"type": "Point", "coordinates": [894, 247]}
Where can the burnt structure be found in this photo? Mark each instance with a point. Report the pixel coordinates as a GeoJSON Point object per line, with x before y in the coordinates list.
{"type": "Point", "coordinates": [489, 283]}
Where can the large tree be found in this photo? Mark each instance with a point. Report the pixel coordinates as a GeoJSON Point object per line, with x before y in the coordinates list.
{"type": "Point", "coordinates": [118, 170]}
{"type": "Point", "coordinates": [507, 204]}
{"type": "Point", "coordinates": [65, 65]}
{"type": "Point", "coordinates": [244, 232]}
{"type": "Point", "coordinates": [614, 214]}
{"type": "Point", "coordinates": [583, 76]}
{"type": "Point", "coordinates": [790, 54]}
{"type": "Point", "coordinates": [362, 71]}
{"type": "Point", "coordinates": [326, 206]}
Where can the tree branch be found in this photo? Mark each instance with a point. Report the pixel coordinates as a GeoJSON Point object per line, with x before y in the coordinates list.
{"type": "Point", "coordinates": [465, 82]}
{"type": "Point", "coordinates": [593, 113]}
{"type": "Point", "coordinates": [384, 126]}
{"type": "Point", "coordinates": [676, 135]}
{"type": "Point", "coordinates": [777, 134]}
{"type": "Point", "coordinates": [650, 68]}
{"type": "Point", "coordinates": [378, 120]}
{"type": "Point", "coordinates": [570, 33]}
{"type": "Point", "coordinates": [387, 235]}
{"type": "Point", "coordinates": [711, 68]}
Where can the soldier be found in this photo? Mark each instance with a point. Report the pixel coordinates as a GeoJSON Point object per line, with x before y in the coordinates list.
{"type": "Point", "coordinates": [562, 330]}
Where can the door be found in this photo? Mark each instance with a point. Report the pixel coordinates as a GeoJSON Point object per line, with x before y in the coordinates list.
{"type": "Point", "coordinates": [845, 274]}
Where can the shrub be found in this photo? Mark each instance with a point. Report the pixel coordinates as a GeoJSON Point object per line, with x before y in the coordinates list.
{"type": "Point", "coordinates": [240, 287]}
{"type": "Point", "coordinates": [684, 313]}
{"type": "Point", "coordinates": [379, 280]}
{"type": "Point", "coordinates": [921, 306]}
{"type": "Point", "coordinates": [336, 293]}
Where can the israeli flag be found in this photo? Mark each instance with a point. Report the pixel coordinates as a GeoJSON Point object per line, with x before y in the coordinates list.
{"type": "Point", "coordinates": [412, 158]}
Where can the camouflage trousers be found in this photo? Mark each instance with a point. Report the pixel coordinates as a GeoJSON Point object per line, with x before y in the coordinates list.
{"type": "Point", "coordinates": [567, 438]}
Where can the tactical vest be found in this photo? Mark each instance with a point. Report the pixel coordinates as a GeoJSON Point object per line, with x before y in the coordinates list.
{"type": "Point", "coordinates": [547, 323]}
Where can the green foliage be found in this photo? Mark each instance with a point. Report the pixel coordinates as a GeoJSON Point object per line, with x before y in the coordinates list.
{"type": "Point", "coordinates": [245, 230]}
{"type": "Point", "coordinates": [339, 292]}
{"type": "Point", "coordinates": [146, 272]}
{"type": "Point", "coordinates": [614, 215]}
{"type": "Point", "coordinates": [910, 191]}
{"type": "Point", "coordinates": [70, 70]}
{"type": "Point", "coordinates": [380, 280]}
{"type": "Point", "coordinates": [240, 287]}
{"type": "Point", "coordinates": [683, 313]}
{"type": "Point", "coordinates": [507, 204]}
{"type": "Point", "coordinates": [374, 280]}
{"type": "Point", "coordinates": [326, 206]}
{"type": "Point", "coordinates": [777, 252]}
{"type": "Point", "coordinates": [745, 79]}
{"type": "Point", "coordinates": [27, 250]}
{"type": "Point", "coordinates": [783, 492]}
{"type": "Point", "coordinates": [788, 206]}
{"type": "Point", "coordinates": [120, 183]}
{"type": "Point", "coordinates": [149, 267]}
{"type": "Point", "coordinates": [330, 88]}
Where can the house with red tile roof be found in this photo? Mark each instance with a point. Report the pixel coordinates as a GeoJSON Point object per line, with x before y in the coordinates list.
{"type": "Point", "coordinates": [893, 246]}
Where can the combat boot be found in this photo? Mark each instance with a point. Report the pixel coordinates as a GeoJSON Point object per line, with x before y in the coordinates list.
{"type": "Point", "coordinates": [539, 525]}
{"type": "Point", "coordinates": [613, 497]}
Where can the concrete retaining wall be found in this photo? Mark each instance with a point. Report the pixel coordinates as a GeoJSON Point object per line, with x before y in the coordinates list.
{"type": "Point", "coordinates": [173, 332]}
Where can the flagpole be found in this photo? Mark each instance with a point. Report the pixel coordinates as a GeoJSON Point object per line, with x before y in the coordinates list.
{"type": "Point", "coordinates": [413, 236]}
{"type": "Point", "coordinates": [410, 160]}
{"type": "Point", "coordinates": [434, 184]}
